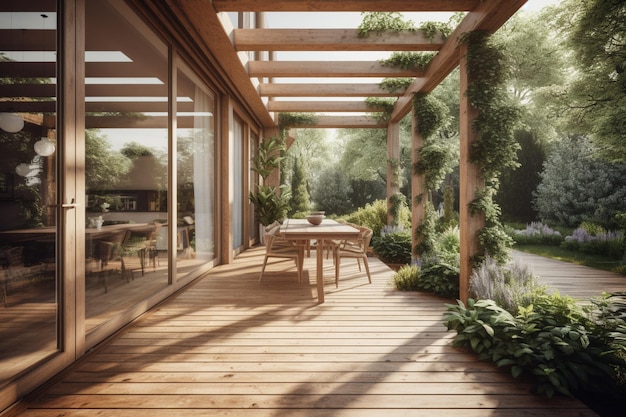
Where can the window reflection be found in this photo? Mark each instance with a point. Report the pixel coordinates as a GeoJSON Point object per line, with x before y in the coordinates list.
{"type": "Point", "coordinates": [126, 160]}
{"type": "Point", "coordinates": [28, 147]}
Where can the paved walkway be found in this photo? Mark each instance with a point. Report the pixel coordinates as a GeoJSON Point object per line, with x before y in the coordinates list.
{"type": "Point", "coordinates": [577, 281]}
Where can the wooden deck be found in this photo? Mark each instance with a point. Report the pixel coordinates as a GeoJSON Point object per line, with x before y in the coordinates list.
{"type": "Point", "coordinates": [230, 346]}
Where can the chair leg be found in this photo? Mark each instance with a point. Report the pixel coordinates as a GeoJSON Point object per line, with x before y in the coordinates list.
{"type": "Point", "coordinates": [263, 268]}
{"type": "Point", "coordinates": [367, 269]}
{"type": "Point", "coordinates": [337, 260]}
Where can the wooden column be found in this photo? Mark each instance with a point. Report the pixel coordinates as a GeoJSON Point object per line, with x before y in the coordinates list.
{"type": "Point", "coordinates": [470, 180]}
{"type": "Point", "coordinates": [417, 185]}
{"type": "Point", "coordinates": [226, 198]}
{"type": "Point", "coordinates": [393, 154]}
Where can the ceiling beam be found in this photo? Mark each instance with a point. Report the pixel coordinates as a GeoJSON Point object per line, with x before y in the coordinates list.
{"type": "Point", "coordinates": [326, 69]}
{"type": "Point", "coordinates": [340, 122]}
{"type": "Point", "coordinates": [489, 15]}
{"type": "Point", "coordinates": [321, 106]}
{"type": "Point", "coordinates": [325, 90]}
{"type": "Point", "coordinates": [331, 40]}
{"type": "Point", "coordinates": [344, 5]}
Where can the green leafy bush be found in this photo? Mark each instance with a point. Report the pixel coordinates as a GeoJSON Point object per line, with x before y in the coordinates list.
{"type": "Point", "coordinates": [394, 248]}
{"type": "Point", "coordinates": [407, 278]}
{"type": "Point", "coordinates": [565, 348]}
{"type": "Point", "coordinates": [374, 216]}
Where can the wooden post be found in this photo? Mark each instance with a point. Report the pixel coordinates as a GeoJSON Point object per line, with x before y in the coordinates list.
{"type": "Point", "coordinates": [470, 180]}
{"type": "Point", "coordinates": [393, 159]}
{"type": "Point", "coordinates": [417, 186]}
{"type": "Point", "coordinates": [226, 199]}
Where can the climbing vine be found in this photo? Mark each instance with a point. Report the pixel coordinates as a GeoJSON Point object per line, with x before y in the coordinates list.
{"type": "Point", "coordinates": [495, 147]}
{"type": "Point", "coordinates": [286, 120]}
{"type": "Point", "coordinates": [386, 104]}
{"type": "Point", "coordinates": [379, 22]}
{"type": "Point", "coordinates": [435, 159]}
{"type": "Point", "coordinates": [408, 60]}
{"type": "Point", "coordinates": [395, 84]}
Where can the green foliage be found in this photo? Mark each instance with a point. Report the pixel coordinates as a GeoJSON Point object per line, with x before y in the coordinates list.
{"type": "Point", "coordinates": [575, 186]}
{"type": "Point", "coordinates": [596, 98]}
{"type": "Point", "coordinates": [432, 29]}
{"type": "Point", "coordinates": [374, 216]}
{"type": "Point", "coordinates": [417, 61]}
{"type": "Point", "coordinates": [287, 120]}
{"type": "Point", "coordinates": [270, 204]}
{"type": "Point", "coordinates": [407, 278]}
{"type": "Point", "coordinates": [397, 202]}
{"type": "Point", "coordinates": [430, 114]}
{"type": "Point", "coordinates": [380, 22]}
{"type": "Point", "coordinates": [439, 276]}
{"type": "Point", "coordinates": [384, 104]}
{"type": "Point", "coordinates": [425, 233]}
{"type": "Point", "coordinates": [395, 84]}
{"type": "Point", "coordinates": [550, 340]}
{"type": "Point", "coordinates": [511, 286]}
{"type": "Point", "coordinates": [299, 202]}
{"type": "Point", "coordinates": [394, 248]}
{"type": "Point", "coordinates": [268, 156]}
{"type": "Point", "coordinates": [331, 192]}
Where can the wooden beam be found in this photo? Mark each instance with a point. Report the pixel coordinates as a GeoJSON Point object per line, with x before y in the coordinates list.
{"type": "Point", "coordinates": [344, 122]}
{"type": "Point", "coordinates": [321, 106]}
{"type": "Point", "coordinates": [489, 15]}
{"type": "Point", "coordinates": [344, 5]}
{"type": "Point", "coordinates": [212, 34]}
{"type": "Point", "coordinates": [325, 90]}
{"type": "Point", "coordinates": [331, 40]}
{"type": "Point", "coordinates": [326, 69]}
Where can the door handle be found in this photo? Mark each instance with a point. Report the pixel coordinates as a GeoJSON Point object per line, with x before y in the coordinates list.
{"type": "Point", "coordinates": [71, 204]}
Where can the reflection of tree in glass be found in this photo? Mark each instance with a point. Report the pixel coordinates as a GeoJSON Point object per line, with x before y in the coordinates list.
{"type": "Point", "coordinates": [104, 168]}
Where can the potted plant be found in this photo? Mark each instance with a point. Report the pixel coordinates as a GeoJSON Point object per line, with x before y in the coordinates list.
{"type": "Point", "coordinates": [270, 202]}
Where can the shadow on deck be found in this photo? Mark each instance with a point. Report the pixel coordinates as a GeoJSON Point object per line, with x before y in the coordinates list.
{"type": "Point", "coordinates": [231, 346]}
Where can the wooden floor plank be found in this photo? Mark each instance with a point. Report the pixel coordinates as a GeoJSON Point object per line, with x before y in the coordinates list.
{"type": "Point", "coordinates": [231, 346]}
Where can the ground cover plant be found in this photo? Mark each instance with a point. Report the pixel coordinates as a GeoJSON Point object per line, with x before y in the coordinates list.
{"type": "Point", "coordinates": [565, 347]}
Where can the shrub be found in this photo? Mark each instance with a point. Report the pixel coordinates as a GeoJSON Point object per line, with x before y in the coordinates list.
{"type": "Point", "coordinates": [440, 276]}
{"type": "Point", "coordinates": [407, 278]}
{"type": "Point", "coordinates": [537, 233]}
{"type": "Point", "coordinates": [374, 216]}
{"type": "Point", "coordinates": [610, 244]}
{"type": "Point", "coordinates": [394, 247]}
{"type": "Point", "coordinates": [552, 340]}
{"type": "Point", "coordinates": [509, 286]}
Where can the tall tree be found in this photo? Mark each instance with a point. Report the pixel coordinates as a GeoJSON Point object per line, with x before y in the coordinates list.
{"type": "Point", "coordinates": [299, 202]}
{"type": "Point", "coordinates": [596, 98]}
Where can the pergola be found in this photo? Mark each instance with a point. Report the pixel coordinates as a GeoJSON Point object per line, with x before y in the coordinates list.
{"type": "Point", "coordinates": [254, 77]}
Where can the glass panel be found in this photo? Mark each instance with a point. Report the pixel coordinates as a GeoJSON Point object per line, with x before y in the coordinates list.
{"type": "Point", "coordinates": [237, 183]}
{"type": "Point", "coordinates": [196, 172]}
{"type": "Point", "coordinates": [252, 182]}
{"type": "Point", "coordinates": [28, 184]}
{"type": "Point", "coordinates": [126, 161]}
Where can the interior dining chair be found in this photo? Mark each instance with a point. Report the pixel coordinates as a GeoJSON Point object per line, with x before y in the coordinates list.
{"type": "Point", "coordinates": [355, 249]}
{"type": "Point", "coordinates": [277, 246]}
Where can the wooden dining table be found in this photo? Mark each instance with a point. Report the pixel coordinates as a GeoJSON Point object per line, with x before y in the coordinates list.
{"type": "Point", "coordinates": [301, 229]}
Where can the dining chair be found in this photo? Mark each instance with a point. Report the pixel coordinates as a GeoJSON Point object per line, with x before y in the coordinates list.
{"type": "Point", "coordinates": [355, 249]}
{"type": "Point", "coordinates": [277, 246]}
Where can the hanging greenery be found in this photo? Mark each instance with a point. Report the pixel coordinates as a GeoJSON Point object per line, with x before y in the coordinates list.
{"type": "Point", "coordinates": [432, 29]}
{"type": "Point", "coordinates": [435, 158]}
{"type": "Point", "coordinates": [408, 60]}
{"type": "Point", "coordinates": [386, 104]}
{"type": "Point", "coordinates": [495, 147]}
{"type": "Point", "coordinates": [287, 120]}
{"type": "Point", "coordinates": [380, 22]}
{"type": "Point", "coordinates": [395, 84]}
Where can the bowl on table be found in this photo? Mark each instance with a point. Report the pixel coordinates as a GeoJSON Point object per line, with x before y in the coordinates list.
{"type": "Point", "coordinates": [315, 219]}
